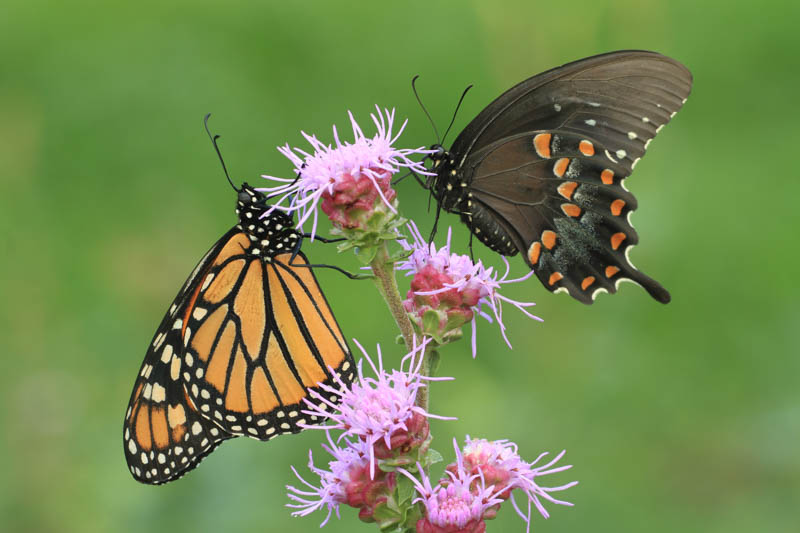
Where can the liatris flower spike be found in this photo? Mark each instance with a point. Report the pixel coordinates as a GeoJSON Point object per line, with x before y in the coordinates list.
{"type": "Point", "coordinates": [381, 411]}
{"type": "Point", "coordinates": [448, 290]}
{"type": "Point", "coordinates": [382, 430]}
{"type": "Point", "coordinates": [351, 182]}
{"type": "Point", "coordinates": [458, 504]}
{"type": "Point", "coordinates": [500, 465]}
{"type": "Point", "coordinates": [348, 481]}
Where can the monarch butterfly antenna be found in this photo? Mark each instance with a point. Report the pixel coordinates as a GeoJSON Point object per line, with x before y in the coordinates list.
{"type": "Point", "coordinates": [219, 154]}
{"type": "Point", "coordinates": [414, 88]}
{"type": "Point", "coordinates": [460, 100]}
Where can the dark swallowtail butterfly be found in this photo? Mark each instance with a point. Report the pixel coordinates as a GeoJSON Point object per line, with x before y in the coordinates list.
{"type": "Point", "coordinates": [541, 170]}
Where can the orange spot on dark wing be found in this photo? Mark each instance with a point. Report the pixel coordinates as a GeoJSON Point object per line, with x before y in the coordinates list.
{"type": "Point", "coordinates": [217, 371]}
{"type": "Point", "coordinates": [571, 210]}
{"type": "Point", "coordinates": [533, 252]}
{"type": "Point", "coordinates": [554, 277]}
{"type": "Point", "coordinates": [203, 339]}
{"type": "Point", "coordinates": [542, 145]}
{"type": "Point", "coordinates": [160, 432]}
{"type": "Point", "coordinates": [617, 239]}
{"type": "Point", "coordinates": [142, 428]}
{"type": "Point", "coordinates": [236, 395]}
{"type": "Point", "coordinates": [586, 148]}
{"type": "Point", "coordinates": [607, 176]}
{"type": "Point", "coordinates": [567, 189]}
{"type": "Point", "coordinates": [587, 282]}
{"type": "Point", "coordinates": [549, 239]}
{"type": "Point", "coordinates": [261, 395]}
{"type": "Point", "coordinates": [616, 207]}
{"type": "Point", "coordinates": [289, 390]}
{"type": "Point", "coordinates": [287, 323]}
{"type": "Point", "coordinates": [224, 281]}
{"type": "Point", "coordinates": [560, 167]}
{"type": "Point", "coordinates": [250, 306]}
{"type": "Point", "coordinates": [611, 270]}
{"type": "Point", "coordinates": [235, 246]}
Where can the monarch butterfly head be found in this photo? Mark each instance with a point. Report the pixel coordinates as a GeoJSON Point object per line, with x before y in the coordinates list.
{"type": "Point", "coordinates": [250, 203]}
{"type": "Point", "coordinates": [249, 197]}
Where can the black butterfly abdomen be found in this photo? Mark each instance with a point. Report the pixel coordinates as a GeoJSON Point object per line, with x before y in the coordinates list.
{"type": "Point", "coordinates": [489, 229]}
{"type": "Point", "coordinates": [453, 191]}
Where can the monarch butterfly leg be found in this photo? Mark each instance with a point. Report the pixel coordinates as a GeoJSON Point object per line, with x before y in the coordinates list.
{"type": "Point", "coordinates": [321, 239]}
{"type": "Point", "coordinates": [334, 267]}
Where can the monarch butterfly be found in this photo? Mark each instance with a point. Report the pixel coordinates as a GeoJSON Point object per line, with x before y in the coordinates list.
{"type": "Point", "coordinates": [541, 169]}
{"type": "Point", "coordinates": [247, 337]}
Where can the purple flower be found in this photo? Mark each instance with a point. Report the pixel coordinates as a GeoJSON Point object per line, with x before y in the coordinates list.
{"type": "Point", "coordinates": [380, 411]}
{"type": "Point", "coordinates": [499, 463]}
{"type": "Point", "coordinates": [451, 288]}
{"type": "Point", "coordinates": [332, 491]}
{"type": "Point", "coordinates": [458, 504]}
{"type": "Point", "coordinates": [348, 481]}
{"type": "Point", "coordinates": [351, 180]}
{"type": "Point", "coordinates": [534, 491]}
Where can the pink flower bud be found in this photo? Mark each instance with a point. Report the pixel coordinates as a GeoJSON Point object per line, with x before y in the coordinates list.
{"type": "Point", "coordinates": [354, 200]}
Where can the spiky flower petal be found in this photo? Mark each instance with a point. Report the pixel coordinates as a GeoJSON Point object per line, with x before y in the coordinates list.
{"type": "Point", "coordinates": [448, 289]}
{"type": "Point", "coordinates": [352, 181]}
{"type": "Point", "coordinates": [380, 411]}
{"type": "Point", "coordinates": [458, 504]}
{"type": "Point", "coordinates": [499, 464]}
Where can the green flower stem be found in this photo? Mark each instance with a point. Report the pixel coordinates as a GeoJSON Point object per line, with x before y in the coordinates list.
{"type": "Point", "coordinates": [383, 268]}
{"type": "Point", "coordinates": [429, 363]}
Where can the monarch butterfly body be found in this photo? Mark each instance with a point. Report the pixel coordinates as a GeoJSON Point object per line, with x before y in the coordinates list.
{"type": "Point", "coordinates": [247, 338]}
{"type": "Point", "coordinates": [541, 169]}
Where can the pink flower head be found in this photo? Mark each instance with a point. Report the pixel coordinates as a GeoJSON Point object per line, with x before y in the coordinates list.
{"type": "Point", "coordinates": [499, 464]}
{"type": "Point", "coordinates": [335, 484]}
{"type": "Point", "coordinates": [458, 504]}
{"type": "Point", "coordinates": [350, 180]}
{"type": "Point", "coordinates": [380, 411]}
{"type": "Point", "coordinates": [452, 288]}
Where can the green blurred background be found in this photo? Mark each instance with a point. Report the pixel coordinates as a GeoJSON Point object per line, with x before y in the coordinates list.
{"type": "Point", "coordinates": [683, 417]}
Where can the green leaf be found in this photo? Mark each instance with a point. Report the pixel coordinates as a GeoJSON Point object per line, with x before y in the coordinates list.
{"type": "Point", "coordinates": [385, 517]}
{"type": "Point", "coordinates": [434, 359]}
{"type": "Point", "coordinates": [455, 321]}
{"type": "Point", "coordinates": [432, 457]}
{"type": "Point", "coordinates": [405, 489]}
{"type": "Point", "coordinates": [430, 321]}
{"type": "Point", "coordinates": [399, 255]}
{"type": "Point", "coordinates": [365, 255]}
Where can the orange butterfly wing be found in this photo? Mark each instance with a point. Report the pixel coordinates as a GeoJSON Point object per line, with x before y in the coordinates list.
{"type": "Point", "coordinates": [163, 434]}
{"type": "Point", "coordinates": [259, 337]}
{"type": "Point", "coordinates": [242, 345]}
